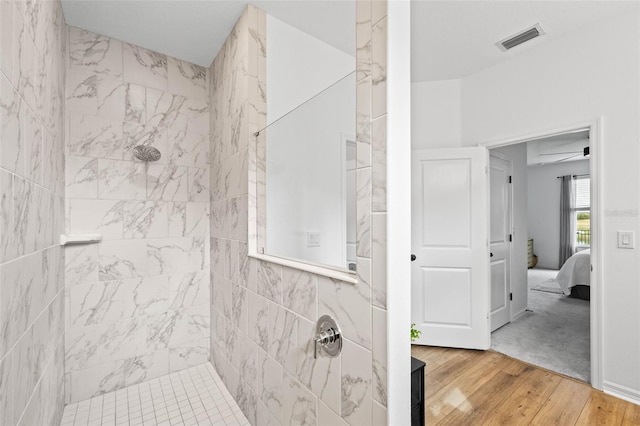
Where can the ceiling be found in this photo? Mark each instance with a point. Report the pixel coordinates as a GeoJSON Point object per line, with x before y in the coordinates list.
{"type": "Point", "coordinates": [195, 30]}
{"type": "Point", "coordinates": [557, 149]}
{"type": "Point", "coordinates": [450, 39]}
{"type": "Point", "coordinates": [454, 39]}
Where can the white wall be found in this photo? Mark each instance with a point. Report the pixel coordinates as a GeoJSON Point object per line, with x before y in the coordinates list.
{"type": "Point", "coordinates": [299, 67]}
{"type": "Point", "coordinates": [435, 114]}
{"type": "Point", "coordinates": [518, 156]}
{"type": "Point", "coordinates": [305, 147]}
{"type": "Point", "coordinates": [544, 208]}
{"type": "Point", "coordinates": [589, 74]}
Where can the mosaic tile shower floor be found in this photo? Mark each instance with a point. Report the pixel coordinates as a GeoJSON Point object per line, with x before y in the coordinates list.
{"type": "Point", "coordinates": [191, 397]}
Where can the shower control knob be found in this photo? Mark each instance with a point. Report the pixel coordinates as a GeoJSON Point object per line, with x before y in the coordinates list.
{"type": "Point", "coordinates": [328, 337]}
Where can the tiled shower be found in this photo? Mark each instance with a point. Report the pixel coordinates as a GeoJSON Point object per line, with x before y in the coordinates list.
{"type": "Point", "coordinates": [170, 286]}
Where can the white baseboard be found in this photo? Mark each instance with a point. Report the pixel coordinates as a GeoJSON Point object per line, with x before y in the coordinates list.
{"type": "Point", "coordinates": [518, 315]}
{"type": "Point", "coordinates": [622, 392]}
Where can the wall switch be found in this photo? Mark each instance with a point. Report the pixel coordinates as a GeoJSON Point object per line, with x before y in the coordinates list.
{"type": "Point", "coordinates": [626, 240]}
{"type": "Point", "coordinates": [313, 239]}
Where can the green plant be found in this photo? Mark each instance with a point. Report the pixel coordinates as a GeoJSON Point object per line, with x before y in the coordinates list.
{"type": "Point", "coordinates": [415, 333]}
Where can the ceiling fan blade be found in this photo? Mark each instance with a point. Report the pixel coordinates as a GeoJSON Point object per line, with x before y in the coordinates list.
{"type": "Point", "coordinates": [560, 153]}
{"type": "Point", "coordinates": [568, 158]}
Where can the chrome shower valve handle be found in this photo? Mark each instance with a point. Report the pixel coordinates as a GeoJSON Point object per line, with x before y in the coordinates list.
{"type": "Point", "coordinates": [328, 336]}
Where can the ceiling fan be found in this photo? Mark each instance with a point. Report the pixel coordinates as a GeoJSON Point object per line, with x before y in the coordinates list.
{"type": "Point", "coordinates": [584, 153]}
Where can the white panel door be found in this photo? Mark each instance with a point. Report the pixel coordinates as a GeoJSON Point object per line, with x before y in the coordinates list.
{"type": "Point", "coordinates": [450, 276]}
{"type": "Point", "coordinates": [499, 240]}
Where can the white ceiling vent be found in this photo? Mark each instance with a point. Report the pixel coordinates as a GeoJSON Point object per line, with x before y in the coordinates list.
{"type": "Point", "coordinates": [521, 37]}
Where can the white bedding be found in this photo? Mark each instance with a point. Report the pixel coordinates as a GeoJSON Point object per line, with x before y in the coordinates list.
{"type": "Point", "coordinates": [575, 271]}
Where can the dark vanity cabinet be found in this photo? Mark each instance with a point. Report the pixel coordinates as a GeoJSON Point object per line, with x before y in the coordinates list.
{"type": "Point", "coordinates": [417, 392]}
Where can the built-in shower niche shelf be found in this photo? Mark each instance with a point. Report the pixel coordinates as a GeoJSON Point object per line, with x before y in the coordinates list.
{"type": "Point", "coordinates": [68, 239]}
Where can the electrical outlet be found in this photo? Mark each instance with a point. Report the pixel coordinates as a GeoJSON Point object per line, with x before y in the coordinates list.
{"type": "Point", "coordinates": [313, 239]}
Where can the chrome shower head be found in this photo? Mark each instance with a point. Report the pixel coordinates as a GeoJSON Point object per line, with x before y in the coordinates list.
{"type": "Point", "coordinates": [146, 153]}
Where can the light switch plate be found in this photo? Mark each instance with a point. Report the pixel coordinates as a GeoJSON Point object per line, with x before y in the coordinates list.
{"type": "Point", "coordinates": [313, 239]}
{"type": "Point", "coordinates": [626, 240]}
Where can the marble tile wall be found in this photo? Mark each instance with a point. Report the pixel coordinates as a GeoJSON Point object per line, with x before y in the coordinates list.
{"type": "Point", "coordinates": [32, 77]}
{"type": "Point", "coordinates": [263, 314]}
{"type": "Point", "coordinates": [137, 302]}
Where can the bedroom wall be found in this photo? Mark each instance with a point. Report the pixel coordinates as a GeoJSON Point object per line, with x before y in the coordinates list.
{"type": "Point", "coordinates": [518, 156]}
{"type": "Point", "coordinates": [544, 208]}
{"type": "Point", "coordinates": [572, 80]}
{"type": "Point", "coordinates": [435, 114]}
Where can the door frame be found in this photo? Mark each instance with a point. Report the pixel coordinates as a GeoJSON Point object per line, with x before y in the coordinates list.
{"type": "Point", "coordinates": [597, 213]}
{"type": "Point", "coordinates": [510, 203]}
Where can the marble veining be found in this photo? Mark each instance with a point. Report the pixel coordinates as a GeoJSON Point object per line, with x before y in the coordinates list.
{"type": "Point", "coordinates": [104, 216]}
{"type": "Point", "coordinates": [122, 259]}
{"type": "Point", "coordinates": [270, 385]}
{"type": "Point", "coordinates": [167, 182]}
{"type": "Point", "coordinates": [31, 211]}
{"type": "Point", "coordinates": [167, 255]}
{"type": "Point", "coordinates": [270, 281]}
{"type": "Point", "coordinates": [145, 219]}
{"type": "Point", "coordinates": [247, 360]}
{"type": "Point", "coordinates": [81, 177]}
{"type": "Point", "coordinates": [135, 104]}
{"type": "Point", "coordinates": [363, 212]}
{"type": "Point", "coordinates": [379, 267]}
{"type": "Point", "coordinates": [12, 150]}
{"type": "Point", "coordinates": [185, 78]}
{"type": "Point", "coordinates": [239, 307]}
{"type": "Point", "coordinates": [282, 303]}
{"type": "Point", "coordinates": [300, 292]}
{"type": "Point", "coordinates": [95, 53]}
{"type": "Point", "coordinates": [322, 374]}
{"type": "Point", "coordinates": [356, 384]}
{"type": "Point", "coordinates": [93, 136]}
{"type": "Point", "coordinates": [299, 406]}
{"type": "Point", "coordinates": [283, 336]}
{"type": "Point", "coordinates": [144, 67]}
{"type": "Point", "coordinates": [197, 224]}
{"type": "Point", "coordinates": [363, 123]}
{"type": "Point", "coordinates": [351, 304]}
{"type": "Point", "coordinates": [379, 68]}
{"type": "Point", "coordinates": [259, 320]}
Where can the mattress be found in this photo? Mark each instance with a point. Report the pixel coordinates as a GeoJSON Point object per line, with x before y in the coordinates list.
{"type": "Point", "coordinates": [575, 271]}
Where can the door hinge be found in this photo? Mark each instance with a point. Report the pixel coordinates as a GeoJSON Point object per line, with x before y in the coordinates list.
{"type": "Point", "coordinates": [510, 296]}
{"type": "Point", "coordinates": [510, 238]}
{"type": "Point", "coordinates": [510, 181]}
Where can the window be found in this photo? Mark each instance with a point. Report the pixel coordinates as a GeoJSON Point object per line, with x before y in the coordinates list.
{"type": "Point", "coordinates": [583, 212]}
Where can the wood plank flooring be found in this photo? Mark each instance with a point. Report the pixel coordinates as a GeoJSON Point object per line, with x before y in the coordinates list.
{"type": "Point", "coordinates": [465, 387]}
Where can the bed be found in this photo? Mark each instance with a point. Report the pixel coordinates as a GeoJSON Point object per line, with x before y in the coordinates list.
{"type": "Point", "coordinates": [574, 276]}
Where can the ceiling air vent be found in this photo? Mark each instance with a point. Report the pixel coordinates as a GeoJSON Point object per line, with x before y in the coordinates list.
{"type": "Point", "coordinates": [521, 37]}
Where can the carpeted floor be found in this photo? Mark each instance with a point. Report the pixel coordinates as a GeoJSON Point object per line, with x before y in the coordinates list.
{"type": "Point", "coordinates": [555, 335]}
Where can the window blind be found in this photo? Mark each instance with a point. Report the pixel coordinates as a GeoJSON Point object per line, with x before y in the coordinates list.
{"type": "Point", "coordinates": [583, 193]}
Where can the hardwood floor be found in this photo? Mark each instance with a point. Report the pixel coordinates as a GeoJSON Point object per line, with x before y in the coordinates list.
{"type": "Point", "coordinates": [465, 387]}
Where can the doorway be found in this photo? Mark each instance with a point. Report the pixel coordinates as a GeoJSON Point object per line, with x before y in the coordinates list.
{"type": "Point", "coordinates": [545, 326]}
{"type": "Point", "coordinates": [451, 276]}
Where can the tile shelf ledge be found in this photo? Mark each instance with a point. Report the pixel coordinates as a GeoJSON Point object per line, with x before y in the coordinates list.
{"type": "Point", "coordinates": [348, 277]}
{"type": "Point", "coordinates": [68, 239]}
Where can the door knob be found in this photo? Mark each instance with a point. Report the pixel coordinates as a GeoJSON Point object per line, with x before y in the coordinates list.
{"type": "Point", "coordinates": [413, 257]}
{"type": "Point", "coordinates": [490, 254]}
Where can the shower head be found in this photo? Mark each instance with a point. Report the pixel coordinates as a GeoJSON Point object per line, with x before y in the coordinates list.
{"type": "Point", "coordinates": [146, 153]}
